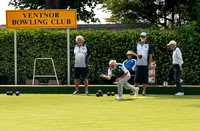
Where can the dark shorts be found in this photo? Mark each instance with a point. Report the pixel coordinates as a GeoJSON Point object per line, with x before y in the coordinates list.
{"type": "Point", "coordinates": [141, 74]}
{"type": "Point", "coordinates": [80, 71]}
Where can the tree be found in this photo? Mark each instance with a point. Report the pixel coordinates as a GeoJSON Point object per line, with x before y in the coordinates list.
{"type": "Point", "coordinates": [83, 13]}
{"type": "Point", "coordinates": [166, 13]}
{"type": "Point", "coordinates": [131, 11]}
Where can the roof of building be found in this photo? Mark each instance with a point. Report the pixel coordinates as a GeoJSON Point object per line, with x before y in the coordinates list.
{"type": "Point", "coordinates": [116, 27]}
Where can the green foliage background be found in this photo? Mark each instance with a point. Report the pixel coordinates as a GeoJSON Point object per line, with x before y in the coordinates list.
{"type": "Point", "coordinates": [105, 45]}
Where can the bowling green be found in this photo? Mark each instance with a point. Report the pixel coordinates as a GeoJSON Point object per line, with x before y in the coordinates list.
{"type": "Point", "coordinates": [65, 112]}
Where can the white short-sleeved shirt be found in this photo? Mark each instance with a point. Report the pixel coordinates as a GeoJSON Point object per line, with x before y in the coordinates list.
{"type": "Point", "coordinates": [81, 54]}
{"type": "Point", "coordinates": [143, 50]}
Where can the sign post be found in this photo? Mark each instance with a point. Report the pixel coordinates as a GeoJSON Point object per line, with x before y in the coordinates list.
{"type": "Point", "coordinates": [52, 18]}
{"type": "Point", "coordinates": [68, 56]}
{"type": "Point", "coordinates": [15, 54]}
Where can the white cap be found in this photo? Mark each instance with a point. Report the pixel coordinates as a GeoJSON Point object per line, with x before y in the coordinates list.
{"type": "Point", "coordinates": [172, 42]}
{"type": "Point", "coordinates": [143, 34]}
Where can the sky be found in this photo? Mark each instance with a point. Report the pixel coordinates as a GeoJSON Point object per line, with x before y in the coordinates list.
{"type": "Point", "coordinates": [4, 6]}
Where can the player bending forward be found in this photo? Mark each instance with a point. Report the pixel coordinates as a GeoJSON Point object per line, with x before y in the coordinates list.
{"type": "Point", "coordinates": [122, 75]}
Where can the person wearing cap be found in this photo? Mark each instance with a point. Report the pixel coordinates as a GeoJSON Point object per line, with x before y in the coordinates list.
{"type": "Point", "coordinates": [122, 75]}
{"type": "Point", "coordinates": [176, 69]}
{"type": "Point", "coordinates": [82, 55]}
{"type": "Point", "coordinates": [143, 51]}
{"type": "Point", "coordinates": [130, 64]}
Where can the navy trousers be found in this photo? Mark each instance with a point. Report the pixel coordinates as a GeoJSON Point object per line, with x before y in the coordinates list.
{"type": "Point", "coordinates": [174, 74]}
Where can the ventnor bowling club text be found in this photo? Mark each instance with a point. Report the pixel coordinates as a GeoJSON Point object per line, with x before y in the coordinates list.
{"type": "Point", "coordinates": [41, 19]}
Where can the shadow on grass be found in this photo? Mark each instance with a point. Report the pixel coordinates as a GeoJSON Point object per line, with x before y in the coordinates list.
{"type": "Point", "coordinates": [176, 97]}
{"type": "Point", "coordinates": [127, 99]}
{"type": "Point", "coordinates": [194, 105]}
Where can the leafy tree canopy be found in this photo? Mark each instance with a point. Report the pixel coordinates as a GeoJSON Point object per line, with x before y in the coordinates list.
{"type": "Point", "coordinates": [163, 12]}
{"type": "Point", "coordinates": [83, 12]}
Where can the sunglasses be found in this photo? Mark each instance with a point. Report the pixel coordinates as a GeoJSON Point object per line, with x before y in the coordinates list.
{"type": "Point", "coordinates": [112, 66]}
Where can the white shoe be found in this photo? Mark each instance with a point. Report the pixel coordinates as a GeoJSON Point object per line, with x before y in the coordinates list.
{"type": "Point", "coordinates": [136, 91]}
{"type": "Point", "coordinates": [144, 93]}
{"type": "Point", "coordinates": [181, 80]}
{"type": "Point", "coordinates": [115, 83]}
{"type": "Point", "coordinates": [87, 93]}
{"type": "Point", "coordinates": [180, 94]}
{"type": "Point", "coordinates": [75, 93]}
{"type": "Point", "coordinates": [119, 98]}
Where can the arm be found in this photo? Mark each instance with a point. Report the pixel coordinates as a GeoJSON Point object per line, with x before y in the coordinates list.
{"type": "Point", "coordinates": [89, 53]}
{"type": "Point", "coordinates": [88, 57]}
{"type": "Point", "coordinates": [135, 55]}
{"type": "Point", "coordinates": [180, 59]}
{"type": "Point", "coordinates": [108, 77]}
{"type": "Point", "coordinates": [150, 56]}
{"type": "Point", "coordinates": [135, 50]}
{"type": "Point", "coordinates": [75, 50]}
{"type": "Point", "coordinates": [150, 60]}
{"type": "Point", "coordinates": [133, 68]}
{"type": "Point", "coordinates": [181, 69]}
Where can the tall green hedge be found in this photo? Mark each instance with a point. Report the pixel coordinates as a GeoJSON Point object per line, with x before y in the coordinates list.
{"type": "Point", "coordinates": [105, 45]}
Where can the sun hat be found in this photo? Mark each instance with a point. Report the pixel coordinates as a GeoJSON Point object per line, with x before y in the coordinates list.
{"type": "Point", "coordinates": [130, 52]}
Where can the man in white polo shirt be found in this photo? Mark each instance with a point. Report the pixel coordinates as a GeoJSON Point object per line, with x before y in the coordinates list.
{"type": "Point", "coordinates": [82, 55]}
{"type": "Point", "coordinates": [174, 71]}
{"type": "Point", "coordinates": [143, 51]}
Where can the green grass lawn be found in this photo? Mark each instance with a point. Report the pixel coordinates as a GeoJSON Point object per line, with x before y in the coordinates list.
{"type": "Point", "coordinates": [55, 112]}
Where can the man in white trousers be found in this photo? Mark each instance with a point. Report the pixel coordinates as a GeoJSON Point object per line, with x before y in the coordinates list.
{"type": "Point", "coordinates": [122, 75]}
